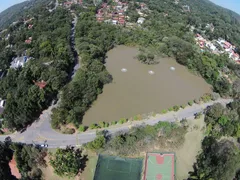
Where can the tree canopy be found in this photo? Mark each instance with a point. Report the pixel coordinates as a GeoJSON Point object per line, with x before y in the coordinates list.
{"type": "Point", "coordinates": [68, 162]}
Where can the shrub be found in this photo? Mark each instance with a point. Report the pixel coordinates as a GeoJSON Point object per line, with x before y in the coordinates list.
{"type": "Point", "coordinates": [93, 126]}
{"type": "Point", "coordinates": [122, 120]}
{"type": "Point", "coordinates": [68, 131]}
{"type": "Point", "coordinates": [164, 111]}
{"type": "Point", "coordinates": [106, 124]}
{"type": "Point", "coordinates": [82, 128]}
{"type": "Point", "coordinates": [184, 122]}
{"type": "Point", "coordinates": [170, 109]}
{"type": "Point", "coordinates": [215, 96]}
{"type": "Point", "coordinates": [135, 118]}
{"type": "Point", "coordinates": [196, 101]}
{"type": "Point", "coordinates": [153, 115]}
{"type": "Point", "coordinates": [101, 124]}
{"type": "Point", "coordinates": [183, 106]}
{"type": "Point", "coordinates": [175, 108]}
{"type": "Point", "coordinates": [98, 143]}
{"type": "Point", "coordinates": [113, 123]}
{"type": "Point", "coordinates": [206, 97]}
{"type": "Point", "coordinates": [198, 115]}
{"type": "Point", "coordinates": [190, 103]}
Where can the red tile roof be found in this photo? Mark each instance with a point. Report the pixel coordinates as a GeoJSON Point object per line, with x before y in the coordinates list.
{"type": "Point", "coordinates": [14, 170]}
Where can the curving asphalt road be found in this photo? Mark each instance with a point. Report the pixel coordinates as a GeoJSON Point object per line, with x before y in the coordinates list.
{"type": "Point", "coordinates": [41, 131]}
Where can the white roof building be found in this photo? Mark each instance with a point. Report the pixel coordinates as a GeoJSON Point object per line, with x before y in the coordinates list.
{"type": "Point", "coordinates": [140, 20]}
{"type": "Point", "coordinates": [114, 22]}
{"type": "Point", "coordinates": [2, 103]}
{"type": "Point", "coordinates": [19, 62]}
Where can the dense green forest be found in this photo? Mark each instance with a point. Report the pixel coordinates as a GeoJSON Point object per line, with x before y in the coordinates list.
{"type": "Point", "coordinates": [52, 62]}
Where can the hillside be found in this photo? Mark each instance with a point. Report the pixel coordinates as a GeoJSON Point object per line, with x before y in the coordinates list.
{"type": "Point", "coordinates": [13, 13]}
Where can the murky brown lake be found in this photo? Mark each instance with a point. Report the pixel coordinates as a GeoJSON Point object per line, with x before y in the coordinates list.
{"type": "Point", "coordinates": [137, 92]}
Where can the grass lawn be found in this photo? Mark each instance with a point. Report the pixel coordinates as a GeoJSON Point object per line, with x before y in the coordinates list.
{"type": "Point", "coordinates": [89, 170]}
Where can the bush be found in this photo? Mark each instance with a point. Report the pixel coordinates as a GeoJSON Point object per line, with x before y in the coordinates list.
{"type": "Point", "coordinates": [98, 143]}
{"type": "Point", "coordinates": [215, 96]}
{"type": "Point", "coordinates": [190, 103]}
{"type": "Point", "coordinates": [183, 106]}
{"type": "Point", "coordinates": [106, 124]}
{"type": "Point", "coordinates": [164, 111]}
{"type": "Point", "coordinates": [175, 108]}
{"type": "Point", "coordinates": [122, 120]}
{"type": "Point", "coordinates": [82, 128]}
{"type": "Point", "coordinates": [135, 118]}
{"type": "Point", "coordinates": [206, 98]}
{"type": "Point", "coordinates": [170, 109]}
{"type": "Point", "coordinates": [196, 101]}
{"type": "Point", "coordinates": [198, 115]}
{"type": "Point", "coordinates": [68, 131]}
{"type": "Point", "coordinates": [93, 126]}
{"type": "Point", "coordinates": [101, 124]}
{"type": "Point", "coordinates": [184, 122]}
{"type": "Point", "coordinates": [113, 123]}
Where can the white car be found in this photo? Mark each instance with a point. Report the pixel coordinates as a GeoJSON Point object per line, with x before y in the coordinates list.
{"type": "Point", "coordinates": [44, 145]}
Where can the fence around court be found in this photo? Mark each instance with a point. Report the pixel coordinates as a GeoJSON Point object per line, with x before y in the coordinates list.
{"type": "Point", "coordinates": [118, 168]}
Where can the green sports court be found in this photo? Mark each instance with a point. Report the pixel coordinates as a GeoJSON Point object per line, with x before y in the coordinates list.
{"type": "Point", "coordinates": [117, 168]}
{"type": "Point", "coordinates": [159, 166]}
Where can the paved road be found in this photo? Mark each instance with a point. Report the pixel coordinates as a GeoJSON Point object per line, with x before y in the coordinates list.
{"type": "Point", "coordinates": [41, 130]}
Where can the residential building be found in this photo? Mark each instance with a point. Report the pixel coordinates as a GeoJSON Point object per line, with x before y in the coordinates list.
{"type": "Point", "coordinates": [30, 26]}
{"type": "Point", "coordinates": [19, 62]}
{"type": "Point", "coordinates": [186, 8]}
{"type": "Point", "coordinates": [140, 20]}
{"type": "Point", "coordinates": [210, 26]}
{"type": "Point", "coordinates": [2, 103]}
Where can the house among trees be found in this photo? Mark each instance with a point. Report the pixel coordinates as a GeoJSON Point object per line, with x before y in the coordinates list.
{"type": "Point", "coordinates": [186, 8]}
{"type": "Point", "coordinates": [140, 20]}
{"type": "Point", "coordinates": [2, 105]}
{"type": "Point", "coordinates": [210, 26]}
{"type": "Point", "coordinates": [19, 62]}
{"type": "Point", "coordinates": [30, 26]}
{"type": "Point", "coordinates": [40, 84]}
{"type": "Point", "coordinates": [29, 40]}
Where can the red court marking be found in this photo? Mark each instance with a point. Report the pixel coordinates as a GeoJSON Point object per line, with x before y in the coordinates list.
{"type": "Point", "coordinates": [159, 177]}
{"type": "Point", "coordinates": [160, 159]}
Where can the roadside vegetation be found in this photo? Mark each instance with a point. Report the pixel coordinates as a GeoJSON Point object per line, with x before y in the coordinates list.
{"type": "Point", "coordinates": [140, 139]}
{"type": "Point", "coordinates": [101, 125]}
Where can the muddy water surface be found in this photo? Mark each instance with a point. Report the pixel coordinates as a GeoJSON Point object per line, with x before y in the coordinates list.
{"type": "Point", "coordinates": [137, 92]}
